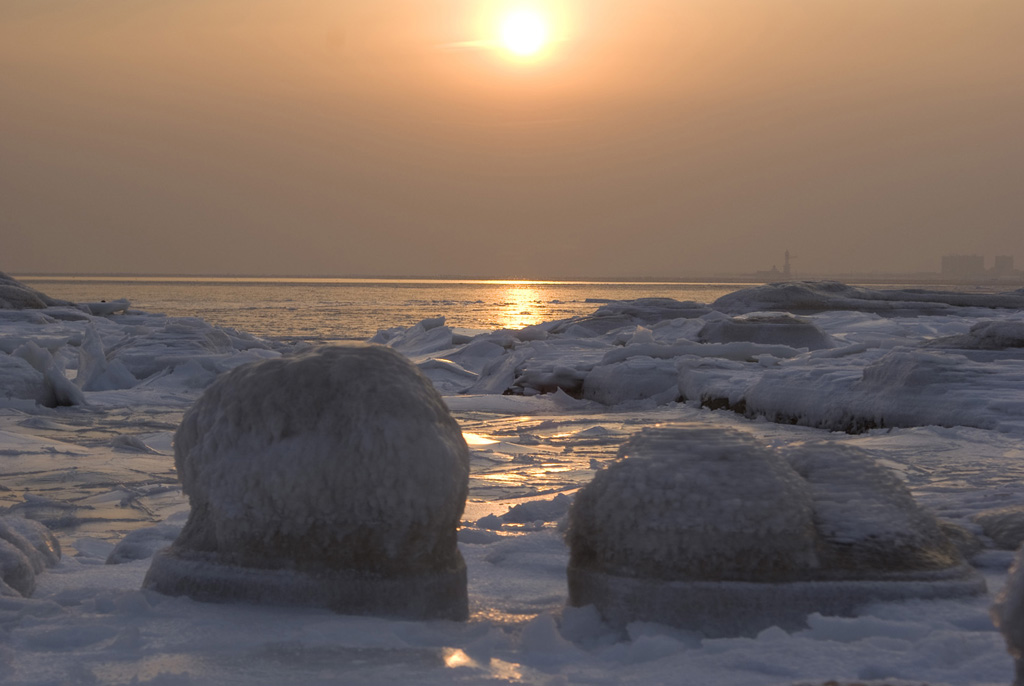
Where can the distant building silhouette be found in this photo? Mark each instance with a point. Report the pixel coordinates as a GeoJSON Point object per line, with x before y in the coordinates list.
{"type": "Point", "coordinates": [774, 274]}
{"type": "Point", "coordinates": [1003, 265]}
{"type": "Point", "coordinates": [963, 266]}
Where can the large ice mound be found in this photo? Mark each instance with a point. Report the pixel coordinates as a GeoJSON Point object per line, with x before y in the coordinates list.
{"type": "Point", "coordinates": [806, 297]}
{"type": "Point", "coordinates": [708, 530]}
{"type": "Point", "coordinates": [334, 478]}
{"type": "Point", "coordinates": [14, 295]}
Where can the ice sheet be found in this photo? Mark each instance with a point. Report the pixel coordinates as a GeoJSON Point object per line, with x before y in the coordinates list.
{"type": "Point", "coordinates": [97, 471]}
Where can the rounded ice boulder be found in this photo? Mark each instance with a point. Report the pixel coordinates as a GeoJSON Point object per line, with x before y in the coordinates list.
{"type": "Point", "coordinates": [333, 478]}
{"type": "Point", "coordinates": [709, 530]}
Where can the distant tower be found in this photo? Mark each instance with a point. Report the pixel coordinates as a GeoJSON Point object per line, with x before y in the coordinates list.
{"type": "Point", "coordinates": [785, 266]}
{"type": "Point", "coordinates": [1004, 265]}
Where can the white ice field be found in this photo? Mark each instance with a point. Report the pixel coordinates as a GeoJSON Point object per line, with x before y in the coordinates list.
{"type": "Point", "coordinates": [930, 385]}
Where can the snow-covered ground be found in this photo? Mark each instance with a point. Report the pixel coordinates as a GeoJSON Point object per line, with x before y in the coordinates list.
{"type": "Point", "coordinates": [929, 385]}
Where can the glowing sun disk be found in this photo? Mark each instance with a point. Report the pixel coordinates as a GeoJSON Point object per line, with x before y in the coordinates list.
{"type": "Point", "coordinates": [524, 32]}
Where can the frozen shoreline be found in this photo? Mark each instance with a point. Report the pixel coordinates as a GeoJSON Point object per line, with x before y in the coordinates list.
{"type": "Point", "coordinates": [99, 470]}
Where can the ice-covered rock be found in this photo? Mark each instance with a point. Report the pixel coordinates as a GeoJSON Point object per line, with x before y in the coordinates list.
{"type": "Point", "coordinates": [709, 530]}
{"type": "Point", "coordinates": [26, 549]}
{"type": "Point", "coordinates": [868, 522]}
{"type": "Point", "coordinates": [1008, 615]}
{"type": "Point", "coordinates": [334, 477]}
{"type": "Point", "coordinates": [695, 503]}
{"type": "Point", "coordinates": [778, 329]}
{"type": "Point", "coordinates": [986, 335]}
{"type": "Point", "coordinates": [14, 295]}
{"type": "Point", "coordinates": [822, 296]}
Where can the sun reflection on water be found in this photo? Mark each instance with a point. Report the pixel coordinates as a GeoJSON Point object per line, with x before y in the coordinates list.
{"type": "Point", "coordinates": [520, 306]}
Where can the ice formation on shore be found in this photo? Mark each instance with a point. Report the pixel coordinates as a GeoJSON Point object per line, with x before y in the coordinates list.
{"type": "Point", "coordinates": [708, 530]}
{"type": "Point", "coordinates": [334, 478]}
{"type": "Point", "coordinates": [94, 473]}
{"type": "Point", "coordinates": [808, 297]}
{"type": "Point", "coordinates": [26, 549]}
{"type": "Point", "coordinates": [853, 360]}
{"type": "Point", "coordinates": [14, 295]}
{"type": "Point", "coordinates": [1008, 615]}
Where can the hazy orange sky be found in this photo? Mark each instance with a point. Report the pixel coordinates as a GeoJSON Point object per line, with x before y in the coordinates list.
{"type": "Point", "coordinates": [391, 137]}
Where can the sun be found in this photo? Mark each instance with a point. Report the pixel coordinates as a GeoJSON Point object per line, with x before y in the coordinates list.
{"type": "Point", "coordinates": [524, 32]}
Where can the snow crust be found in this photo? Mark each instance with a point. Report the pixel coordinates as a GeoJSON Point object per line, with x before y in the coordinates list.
{"type": "Point", "coordinates": [332, 477]}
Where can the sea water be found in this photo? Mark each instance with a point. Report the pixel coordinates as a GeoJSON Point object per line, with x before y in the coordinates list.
{"type": "Point", "coordinates": [334, 309]}
{"type": "Point", "coordinates": [326, 310]}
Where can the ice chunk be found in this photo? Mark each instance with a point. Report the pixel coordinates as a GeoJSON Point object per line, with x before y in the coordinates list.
{"type": "Point", "coordinates": [19, 380]}
{"type": "Point", "coordinates": [1004, 525]}
{"type": "Point", "coordinates": [821, 296]}
{"type": "Point", "coordinates": [105, 308]}
{"type": "Point", "coordinates": [26, 549]}
{"type": "Point", "coordinates": [538, 510]}
{"type": "Point", "coordinates": [31, 373]}
{"type": "Point", "coordinates": [95, 372]}
{"type": "Point", "coordinates": [334, 477]}
{"type": "Point", "coordinates": [779, 329]}
{"type": "Point", "coordinates": [143, 543]}
{"type": "Point", "coordinates": [15, 295]}
{"type": "Point", "coordinates": [619, 314]}
{"type": "Point", "coordinates": [633, 379]}
{"type": "Point", "coordinates": [987, 335]}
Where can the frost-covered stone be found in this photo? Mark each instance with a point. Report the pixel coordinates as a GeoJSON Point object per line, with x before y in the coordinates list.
{"type": "Point", "coordinates": [869, 523]}
{"type": "Point", "coordinates": [334, 477]}
{"type": "Point", "coordinates": [26, 549]}
{"type": "Point", "coordinates": [707, 529]}
{"type": "Point", "coordinates": [695, 503]}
